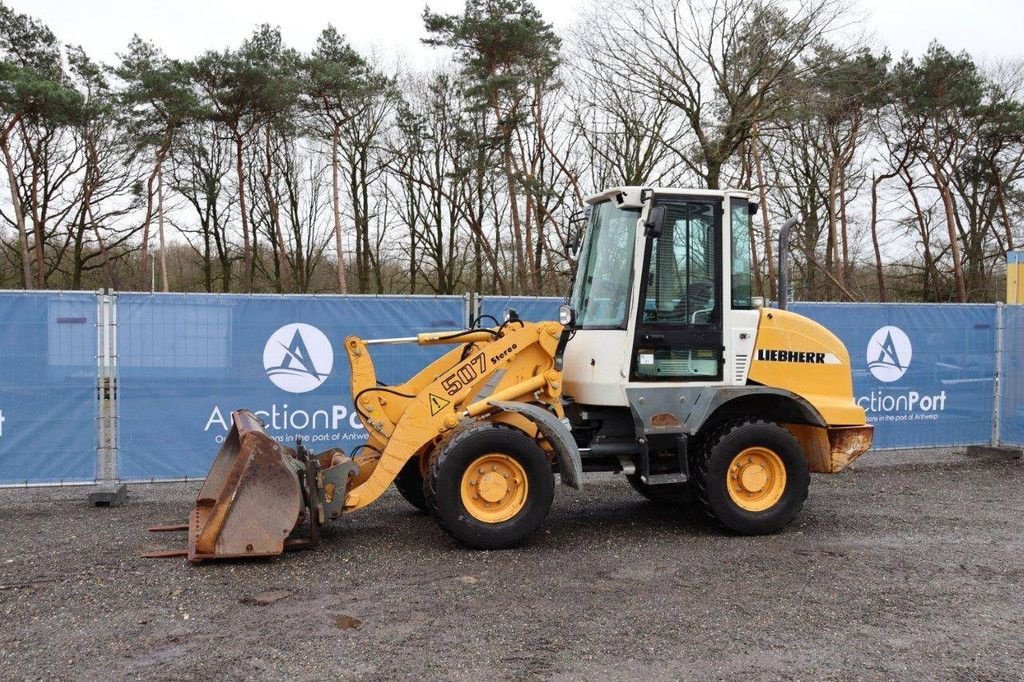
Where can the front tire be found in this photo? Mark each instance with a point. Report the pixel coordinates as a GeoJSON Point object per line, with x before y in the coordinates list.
{"type": "Point", "coordinates": [752, 476]}
{"type": "Point", "coordinates": [489, 486]}
{"type": "Point", "coordinates": [409, 483]}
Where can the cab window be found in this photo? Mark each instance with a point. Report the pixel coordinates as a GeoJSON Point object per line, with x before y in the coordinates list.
{"type": "Point", "coordinates": [681, 275]}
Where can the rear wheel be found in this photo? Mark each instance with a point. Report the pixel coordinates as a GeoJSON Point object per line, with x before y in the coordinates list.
{"type": "Point", "coordinates": [489, 486]}
{"type": "Point", "coordinates": [751, 476]}
{"type": "Point", "coordinates": [409, 483]}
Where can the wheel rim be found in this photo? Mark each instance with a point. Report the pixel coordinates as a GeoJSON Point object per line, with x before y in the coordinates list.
{"type": "Point", "coordinates": [494, 488]}
{"type": "Point", "coordinates": [756, 479]}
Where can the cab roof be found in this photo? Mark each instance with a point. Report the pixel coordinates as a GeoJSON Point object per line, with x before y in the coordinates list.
{"type": "Point", "coordinates": [634, 196]}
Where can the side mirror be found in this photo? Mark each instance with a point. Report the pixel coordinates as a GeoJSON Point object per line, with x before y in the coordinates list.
{"type": "Point", "coordinates": [655, 222]}
{"type": "Point", "coordinates": [577, 225]}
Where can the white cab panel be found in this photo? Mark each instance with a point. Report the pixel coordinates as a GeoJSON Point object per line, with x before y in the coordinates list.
{"type": "Point", "coordinates": [740, 335]}
{"type": "Point", "coordinates": [597, 366]}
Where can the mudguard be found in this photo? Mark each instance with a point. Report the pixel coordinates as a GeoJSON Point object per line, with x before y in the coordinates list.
{"type": "Point", "coordinates": [569, 464]}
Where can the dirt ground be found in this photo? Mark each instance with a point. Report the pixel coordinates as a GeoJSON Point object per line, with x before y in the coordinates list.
{"type": "Point", "coordinates": [910, 565]}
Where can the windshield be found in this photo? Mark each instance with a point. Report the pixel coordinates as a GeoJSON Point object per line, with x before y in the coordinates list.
{"type": "Point", "coordinates": [600, 294]}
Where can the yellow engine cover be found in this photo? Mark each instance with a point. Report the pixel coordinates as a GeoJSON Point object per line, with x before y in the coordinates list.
{"type": "Point", "coordinates": [795, 353]}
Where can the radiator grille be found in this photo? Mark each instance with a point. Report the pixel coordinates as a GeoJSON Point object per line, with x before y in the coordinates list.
{"type": "Point", "coordinates": [741, 368]}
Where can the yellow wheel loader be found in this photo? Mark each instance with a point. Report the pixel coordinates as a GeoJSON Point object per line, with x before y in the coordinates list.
{"type": "Point", "coordinates": [662, 367]}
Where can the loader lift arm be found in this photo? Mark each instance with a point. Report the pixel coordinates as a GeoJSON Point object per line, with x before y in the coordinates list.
{"type": "Point", "coordinates": [513, 363]}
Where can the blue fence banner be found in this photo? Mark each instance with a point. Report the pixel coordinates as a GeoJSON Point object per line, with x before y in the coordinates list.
{"type": "Point", "coordinates": [48, 387]}
{"type": "Point", "coordinates": [529, 308]}
{"type": "Point", "coordinates": [924, 373]}
{"type": "Point", "coordinates": [185, 361]}
{"type": "Point", "coordinates": [1011, 404]}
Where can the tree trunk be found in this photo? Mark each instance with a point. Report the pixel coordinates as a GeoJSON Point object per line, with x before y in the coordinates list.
{"type": "Point", "coordinates": [714, 174]}
{"type": "Point", "coordinates": [284, 282]}
{"type": "Point", "coordinates": [926, 294]}
{"type": "Point", "coordinates": [755, 148]}
{"type": "Point", "coordinates": [92, 174]}
{"type": "Point", "coordinates": [954, 242]}
{"type": "Point", "coordinates": [831, 251]}
{"type": "Point", "coordinates": [874, 238]}
{"type": "Point", "coordinates": [755, 263]}
{"type": "Point", "coordinates": [19, 215]}
{"type": "Point", "coordinates": [336, 195]}
{"type": "Point", "coordinates": [844, 227]}
{"type": "Point", "coordinates": [160, 228]}
{"type": "Point", "coordinates": [246, 248]}
{"type": "Point", "coordinates": [1001, 198]}
{"type": "Point", "coordinates": [37, 225]}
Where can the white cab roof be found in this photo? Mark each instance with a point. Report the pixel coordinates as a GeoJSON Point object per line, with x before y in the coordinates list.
{"type": "Point", "coordinates": [633, 196]}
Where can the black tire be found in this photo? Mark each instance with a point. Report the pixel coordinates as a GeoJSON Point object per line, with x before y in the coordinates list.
{"type": "Point", "coordinates": [451, 459]}
{"type": "Point", "coordinates": [670, 494]}
{"type": "Point", "coordinates": [712, 473]}
{"type": "Point", "coordinates": [409, 484]}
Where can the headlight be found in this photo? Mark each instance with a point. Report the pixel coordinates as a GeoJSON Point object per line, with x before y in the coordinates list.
{"type": "Point", "coordinates": [566, 316]}
{"type": "Point", "coordinates": [511, 315]}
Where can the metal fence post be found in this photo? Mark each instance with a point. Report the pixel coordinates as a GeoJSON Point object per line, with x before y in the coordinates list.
{"type": "Point", "coordinates": [101, 421]}
{"type": "Point", "coordinates": [469, 299]}
{"type": "Point", "coordinates": [997, 385]}
{"type": "Point", "coordinates": [109, 492]}
{"type": "Point", "coordinates": [114, 388]}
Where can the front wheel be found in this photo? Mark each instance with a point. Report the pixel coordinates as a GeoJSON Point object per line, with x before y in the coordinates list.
{"type": "Point", "coordinates": [489, 486]}
{"type": "Point", "coordinates": [751, 476]}
{"type": "Point", "coordinates": [409, 482]}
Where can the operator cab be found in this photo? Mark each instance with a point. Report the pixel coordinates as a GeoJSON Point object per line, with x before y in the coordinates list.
{"type": "Point", "coordinates": [662, 292]}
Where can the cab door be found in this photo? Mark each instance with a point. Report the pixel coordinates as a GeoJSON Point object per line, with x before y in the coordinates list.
{"type": "Point", "coordinates": [678, 333]}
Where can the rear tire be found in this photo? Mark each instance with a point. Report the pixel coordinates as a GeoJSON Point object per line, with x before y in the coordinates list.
{"type": "Point", "coordinates": [489, 486]}
{"type": "Point", "coordinates": [409, 483]}
{"type": "Point", "coordinates": [670, 494]}
{"type": "Point", "coordinates": [751, 476]}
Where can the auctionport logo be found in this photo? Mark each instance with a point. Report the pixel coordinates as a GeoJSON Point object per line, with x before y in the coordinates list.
{"type": "Point", "coordinates": [298, 358]}
{"type": "Point", "coordinates": [889, 354]}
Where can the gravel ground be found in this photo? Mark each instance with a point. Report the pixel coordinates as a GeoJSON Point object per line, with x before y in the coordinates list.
{"type": "Point", "coordinates": [910, 565]}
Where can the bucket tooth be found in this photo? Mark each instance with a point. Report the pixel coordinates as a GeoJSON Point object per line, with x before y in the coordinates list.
{"type": "Point", "coordinates": [251, 500]}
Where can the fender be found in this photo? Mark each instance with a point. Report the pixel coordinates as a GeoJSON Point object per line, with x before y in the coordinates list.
{"type": "Point", "coordinates": [684, 410]}
{"type": "Point", "coordinates": [570, 466]}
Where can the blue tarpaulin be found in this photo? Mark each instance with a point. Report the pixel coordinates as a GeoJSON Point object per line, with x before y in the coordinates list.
{"type": "Point", "coordinates": [48, 387]}
{"type": "Point", "coordinates": [923, 372]}
{"type": "Point", "coordinates": [187, 360]}
{"type": "Point", "coordinates": [529, 308]}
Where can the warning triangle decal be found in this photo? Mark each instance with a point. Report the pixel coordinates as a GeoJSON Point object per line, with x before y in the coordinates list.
{"type": "Point", "coordinates": [437, 404]}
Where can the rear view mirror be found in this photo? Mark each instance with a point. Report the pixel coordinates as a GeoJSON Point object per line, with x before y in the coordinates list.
{"type": "Point", "coordinates": [655, 222]}
{"type": "Point", "coordinates": [577, 225]}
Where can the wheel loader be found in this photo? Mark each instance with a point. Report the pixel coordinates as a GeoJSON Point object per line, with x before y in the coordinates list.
{"type": "Point", "coordinates": [662, 366]}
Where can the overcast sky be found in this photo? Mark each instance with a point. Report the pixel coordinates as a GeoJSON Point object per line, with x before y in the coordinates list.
{"type": "Point", "coordinates": [989, 29]}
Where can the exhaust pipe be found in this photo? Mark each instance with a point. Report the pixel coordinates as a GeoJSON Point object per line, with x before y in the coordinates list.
{"type": "Point", "coordinates": [784, 261]}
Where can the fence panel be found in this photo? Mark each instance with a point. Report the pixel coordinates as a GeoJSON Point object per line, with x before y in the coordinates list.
{"type": "Point", "coordinates": [924, 373]}
{"type": "Point", "coordinates": [48, 387]}
{"type": "Point", "coordinates": [1011, 407]}
{"type": "Point", "coordinates": [186, 361]}
{"type": "Point", "coordinates": [530, 308]}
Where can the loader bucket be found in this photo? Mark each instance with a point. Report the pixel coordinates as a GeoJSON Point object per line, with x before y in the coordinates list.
{"type": "Point", "coordinates": [252, 498]}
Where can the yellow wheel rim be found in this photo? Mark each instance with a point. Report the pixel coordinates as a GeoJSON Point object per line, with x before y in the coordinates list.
{"type": "Point", "coordinates": [756, 479]}
{"type": "Point", "coordinates": [494, 488]}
